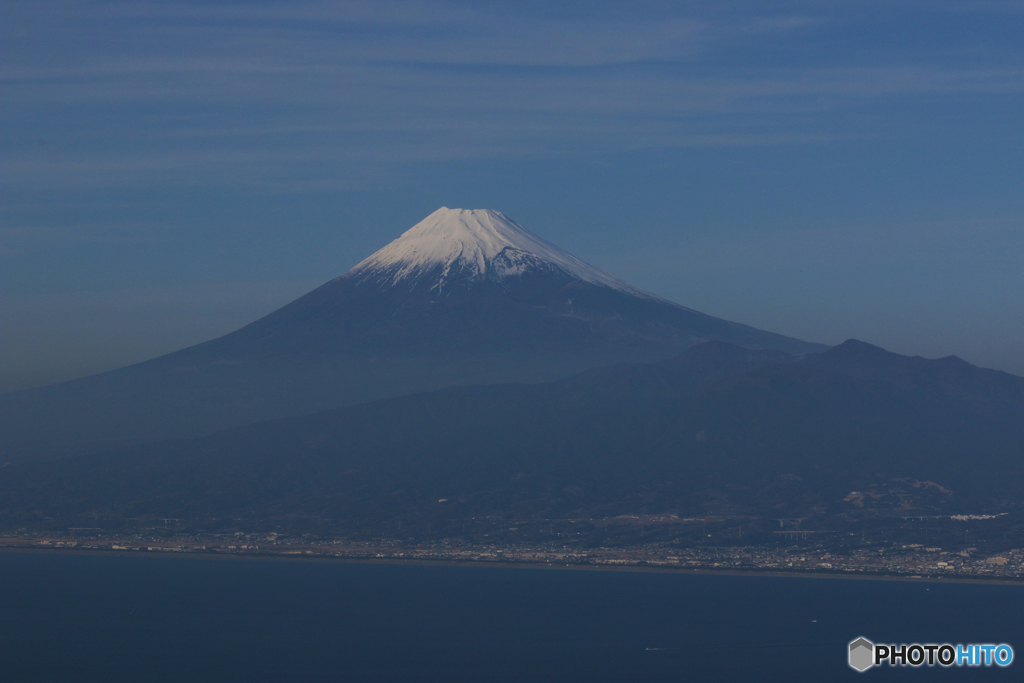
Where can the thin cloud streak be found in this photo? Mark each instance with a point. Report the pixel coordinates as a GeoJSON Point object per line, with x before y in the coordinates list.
{"type": "Point", "coordinates": [153, 92]}
{"type": "Point", "coordinates": [421, 32]}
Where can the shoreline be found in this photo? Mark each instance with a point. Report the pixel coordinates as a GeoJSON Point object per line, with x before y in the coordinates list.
{"type": "Point", "coordinates": [522, 564]}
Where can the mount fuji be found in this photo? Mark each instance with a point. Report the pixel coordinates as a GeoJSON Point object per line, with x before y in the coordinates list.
{"type": "Point", "coordinates": [463, 297]}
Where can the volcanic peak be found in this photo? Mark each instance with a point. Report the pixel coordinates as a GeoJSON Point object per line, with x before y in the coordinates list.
{"type": "Point", "coordinates": [474, 244]}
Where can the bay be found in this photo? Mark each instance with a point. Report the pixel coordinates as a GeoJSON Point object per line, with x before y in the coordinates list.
{"type": "Point", "coordinates": [76, 616]}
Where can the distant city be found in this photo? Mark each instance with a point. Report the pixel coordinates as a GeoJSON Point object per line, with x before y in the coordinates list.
{"type": "Point", "coordinates": [985, 550]}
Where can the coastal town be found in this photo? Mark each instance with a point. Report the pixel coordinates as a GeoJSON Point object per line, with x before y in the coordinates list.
{"type": "Point", "coordinates": [888, 560]}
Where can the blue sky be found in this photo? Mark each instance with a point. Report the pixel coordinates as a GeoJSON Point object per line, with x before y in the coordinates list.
{"type": "Point", "coordinates": [173, 170]}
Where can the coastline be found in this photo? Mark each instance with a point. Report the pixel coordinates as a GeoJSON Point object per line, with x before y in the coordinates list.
{"type": "Point", "coordinates": [522, 564]}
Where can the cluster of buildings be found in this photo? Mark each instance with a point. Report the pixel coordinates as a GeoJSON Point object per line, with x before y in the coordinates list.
{"type": "Point", "coordinates": [885, 560]}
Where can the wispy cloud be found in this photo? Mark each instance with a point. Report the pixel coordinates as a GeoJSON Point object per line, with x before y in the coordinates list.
{"type": "Point", "coordinates": [246, 92]}
{"type": "Point", "coordinates": [422, 32]}
{"type": "Point", "coordinates": [360, 116]}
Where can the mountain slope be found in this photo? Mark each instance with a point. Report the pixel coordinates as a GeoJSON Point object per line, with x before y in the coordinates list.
{"type": "Point", "coordinates": [719, 430]}
{"type": "Point", "coordinates": [464, 297]}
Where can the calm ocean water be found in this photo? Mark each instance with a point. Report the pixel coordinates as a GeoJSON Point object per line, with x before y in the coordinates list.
{"type": "Point", "coordinates": [97, 617]}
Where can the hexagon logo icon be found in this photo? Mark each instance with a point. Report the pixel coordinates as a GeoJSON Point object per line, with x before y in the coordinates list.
{"type": "Point", "coordinates": [862, 654]}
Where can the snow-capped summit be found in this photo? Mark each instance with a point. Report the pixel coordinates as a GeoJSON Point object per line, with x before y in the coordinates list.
{"type": "Point", "coordinates": [454, 245]}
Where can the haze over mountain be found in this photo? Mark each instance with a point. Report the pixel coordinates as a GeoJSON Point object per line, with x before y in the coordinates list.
{"type": "Point", "coordinates": [464, 297]}
{"type": "Point", "coordinates": [852, 433]}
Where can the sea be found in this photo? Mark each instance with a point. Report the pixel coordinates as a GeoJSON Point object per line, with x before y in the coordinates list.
{"type": "Point", "coordinates": [78, 616]}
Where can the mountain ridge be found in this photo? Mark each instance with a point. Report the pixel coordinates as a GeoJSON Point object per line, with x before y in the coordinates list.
{"type": "Point", "coordinates": [365, 336]}
{"type": "Point", "coordinates": [718, 430]}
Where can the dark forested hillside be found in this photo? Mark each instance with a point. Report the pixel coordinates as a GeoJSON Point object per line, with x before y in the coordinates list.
{"type": "Point", "coordinates": [718, 430]}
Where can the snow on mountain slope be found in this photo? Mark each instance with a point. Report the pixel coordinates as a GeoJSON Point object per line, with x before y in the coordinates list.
{"type": "Point", "coordinates": [454, 244]}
